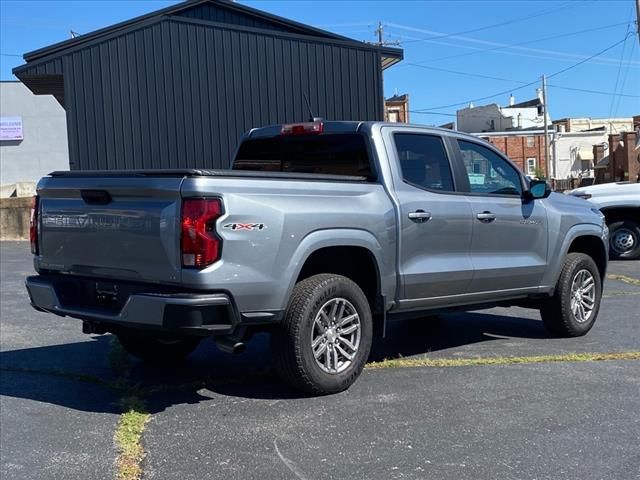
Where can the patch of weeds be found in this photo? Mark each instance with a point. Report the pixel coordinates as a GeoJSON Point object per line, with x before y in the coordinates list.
{"type": "Point", "coordinates": [128, 439]}
{"type": "Point", "coordinates": [624, 278]}
{"type": "Point", "coordinates": [465, 362]}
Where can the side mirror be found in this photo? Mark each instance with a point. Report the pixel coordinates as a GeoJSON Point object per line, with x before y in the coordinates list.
{"type": "Point", "coordinates": [537, 189]}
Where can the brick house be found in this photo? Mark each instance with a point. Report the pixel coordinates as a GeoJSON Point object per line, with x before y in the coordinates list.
{"type": "Point", "coordinates": [525, 148]}
{"type": "Point", "coordinates": [622, 162]}
{"type": "Point", "coordinates": [396, 109]}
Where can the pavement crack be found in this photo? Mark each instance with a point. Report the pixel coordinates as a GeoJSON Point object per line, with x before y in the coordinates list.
{"type": "Point", "coordinates": [289, 463]}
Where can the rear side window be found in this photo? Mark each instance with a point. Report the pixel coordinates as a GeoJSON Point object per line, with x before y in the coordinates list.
{"type": "Point", "coordinates": [334, 154]}
{"type": "Point", "coordinates": [424, 161]}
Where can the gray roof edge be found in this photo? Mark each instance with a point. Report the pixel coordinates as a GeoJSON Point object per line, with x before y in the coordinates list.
{"type": "Point", "coordinates": [397, 54]}
{"type": "Point", "coordinates": [173, 9]}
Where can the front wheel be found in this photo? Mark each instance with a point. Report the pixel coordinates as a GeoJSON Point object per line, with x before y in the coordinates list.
{"type": "Point", "coordinates": [157, 349]}
{"type": "Point", "coordinates": [573, 309]}
{"type": "Point", "coordinates": [324, 340]}
{"type": "Point", "coordinates": [624, 240]}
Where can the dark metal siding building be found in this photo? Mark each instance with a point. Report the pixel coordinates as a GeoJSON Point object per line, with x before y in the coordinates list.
{"type": "Point", "coordinates": [178, 87]}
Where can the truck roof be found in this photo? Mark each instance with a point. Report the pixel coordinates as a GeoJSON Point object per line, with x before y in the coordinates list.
{"type": "Point", "coordinates": [350, 126]}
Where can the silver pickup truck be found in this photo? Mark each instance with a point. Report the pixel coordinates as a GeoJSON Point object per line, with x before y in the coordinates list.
{"type": "Point", "coordinates": [319, 234]}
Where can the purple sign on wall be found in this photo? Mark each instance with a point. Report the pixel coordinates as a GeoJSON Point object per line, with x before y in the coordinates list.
{"type": "Point", "coordinates": [11, 128]}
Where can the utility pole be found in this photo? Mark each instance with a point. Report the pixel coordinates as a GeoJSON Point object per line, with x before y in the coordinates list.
{"type": "Point", "coordinates": [546, 125]}
{"type": "Point", "coordinates": [380, 34]}
{"type": "Point", "coordinates": [638, 19]}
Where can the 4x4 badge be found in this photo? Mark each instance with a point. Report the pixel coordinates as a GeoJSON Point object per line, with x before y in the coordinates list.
{"type": "Point", "coordinates": [245, 226]}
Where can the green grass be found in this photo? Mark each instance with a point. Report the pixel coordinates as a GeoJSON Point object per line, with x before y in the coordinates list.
{"type": "Point", "coordinates": [128, 438]}
{"type": "Point", "coordinates": [464, 362]}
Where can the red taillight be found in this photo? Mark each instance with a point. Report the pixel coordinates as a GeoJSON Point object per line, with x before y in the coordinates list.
{"type": "Point", "coordinates": [302, 128]}
{"type": "Point", "coordinates": [33, 224]}
{"type": "Point", "coordinates": [200, 245]}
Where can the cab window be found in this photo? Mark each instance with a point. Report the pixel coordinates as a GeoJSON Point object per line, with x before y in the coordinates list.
{"type": "Point", "coordinates": [488, 172]}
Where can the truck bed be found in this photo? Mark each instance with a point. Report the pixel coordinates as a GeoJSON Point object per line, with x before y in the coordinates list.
{"type": "Point", "coordinates": [191, 172]}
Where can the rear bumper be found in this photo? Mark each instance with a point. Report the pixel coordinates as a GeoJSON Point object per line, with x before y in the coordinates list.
{"type": "Point", "coordinates": [182, 313]}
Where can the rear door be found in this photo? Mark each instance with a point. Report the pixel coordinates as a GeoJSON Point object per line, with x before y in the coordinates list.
{"type": "Point", "coordinates": [120, 227]}
{"type": "Point", "coordinates": [509, 246]}
{"type": "Point", "coordinates": [435, 220]}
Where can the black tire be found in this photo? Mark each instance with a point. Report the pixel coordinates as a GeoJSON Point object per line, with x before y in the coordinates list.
{"type": "Point", "coordinates": [155, 349]}
{"type": "Point", "coordinates": [557, 314]}
{"type": "Point", "coordinates": [624, 240]}
{"type": "Point", "coordinates": [291, 341]}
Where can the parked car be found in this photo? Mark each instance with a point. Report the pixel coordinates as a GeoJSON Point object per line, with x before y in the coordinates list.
{"type": "Point", "coordinates": [620, 204]}
{"type": "Point", "coordinates": [320, 234]}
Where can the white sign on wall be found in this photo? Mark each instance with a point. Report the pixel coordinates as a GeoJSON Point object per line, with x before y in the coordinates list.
{"type": "Point", "coordinates": [11, 128]}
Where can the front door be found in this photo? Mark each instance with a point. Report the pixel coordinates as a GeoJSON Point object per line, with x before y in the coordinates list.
{"type": "Point", "coordinates": [509, 244]}
{"type": "Point", "coordinates": [435, 221]}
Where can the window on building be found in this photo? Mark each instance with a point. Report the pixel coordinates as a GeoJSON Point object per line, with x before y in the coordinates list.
{"type": "Point", "coordinates": [531, 141]}
{"type": "Point", "coordinates": [424, 162]}
{"type": "Point", "coordinates": [488, 172]}
{"type": "Point", "coordinates": [393, 115]}
{"type": "Point", "coordinates": [532, 164]}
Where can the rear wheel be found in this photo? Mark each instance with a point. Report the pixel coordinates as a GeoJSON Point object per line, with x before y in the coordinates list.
{"type": "Point", "coordinates": [324, 341]}
{"type": "Point", "coordinates": [573, 309]}
{"type": "Point", "coordinates": [157, 349]}
{"type": "Point", "coordinates": [624, 240]}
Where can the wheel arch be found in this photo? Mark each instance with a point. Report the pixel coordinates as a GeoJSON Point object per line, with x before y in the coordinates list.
{"type": "Point", "coordinates": [355, 254]}
{"type": "Point", "coordinates": [592, 246]}
{"type": "Point", "coordinates": [584, 238]}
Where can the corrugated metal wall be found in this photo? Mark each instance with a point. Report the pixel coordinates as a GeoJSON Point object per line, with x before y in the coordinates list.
{"type": "Point", "coordinates": [215, 13]}
{"type": "Point", "coordinates": [180, 92]}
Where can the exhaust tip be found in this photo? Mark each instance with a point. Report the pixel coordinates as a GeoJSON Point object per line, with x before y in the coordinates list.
{"type": "Point", "coordinates": [230, 346]}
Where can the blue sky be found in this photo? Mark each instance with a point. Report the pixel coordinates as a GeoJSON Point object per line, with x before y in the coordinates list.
{"type": "Point", "coordinates": [467, 49]}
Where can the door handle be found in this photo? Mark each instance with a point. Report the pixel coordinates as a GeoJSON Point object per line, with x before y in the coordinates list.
{"type": "Point", "coordinates": [486, 217]}
{"type": "Point", "coordinates": [419, 216]}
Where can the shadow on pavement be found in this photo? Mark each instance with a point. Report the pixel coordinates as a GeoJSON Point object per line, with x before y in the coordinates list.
{"type": "Point", "coordinates": [248, 375]}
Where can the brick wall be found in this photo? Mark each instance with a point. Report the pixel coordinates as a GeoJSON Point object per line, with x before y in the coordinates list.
{"type": "Point", "coordinates": [623, 158]}
{"type": "Point", "coordinates": [518, 149]}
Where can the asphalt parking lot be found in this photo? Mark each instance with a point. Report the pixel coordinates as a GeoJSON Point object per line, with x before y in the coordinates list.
{"type": "Point", "coordinates": [218, 416]}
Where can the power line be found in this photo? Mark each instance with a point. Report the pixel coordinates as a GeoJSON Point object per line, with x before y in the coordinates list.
{"type": "Point", "coordinates": [624, 78]}
{"type": "Point", "coordinates": [502, 79]}
{"type": "Point", "coordinates": [595, 92]}
{"type": "Point", "coordinates": [521, 51]}
{"type": "Point", "coordinates": [495, 25]}
{"type": "Point", "coordinates": [530, 83]}
{"type": "Point", "coordinates": [591, 57]}
{"type": "Point", "coordinates": [10, 55]}
{"type": "Point", "coordinates": [615, 88]}
{"type": "Point", "coordinates": [526, 42]}
{"type": "Point", "coordinates": [468, 74]}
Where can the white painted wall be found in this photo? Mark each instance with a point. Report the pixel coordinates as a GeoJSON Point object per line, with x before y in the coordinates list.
{"type": "Point", "coordinates": [566, 151]}
{"type": "Point", "coordinates": [479, 119]}
{"type": "Point", "coordinates": [613, 125]}
{"type": "Point", "coordinates": [44, 148]}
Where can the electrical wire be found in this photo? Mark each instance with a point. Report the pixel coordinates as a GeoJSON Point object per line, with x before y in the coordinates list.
{"type": "Point", "coordinates": [521, 51]}
{"type": "Point", "coordinates": [559, 72]}
{"type": "Point", "coordinates": [526, 42]}
{"type": "Point", "coordinates": [495, 25]}
{"type": "Point", "coordinates": [624, 79]}
{"type": "Point", "coordinates": [624, 48]}
{"type": "Point", "coordinates": [502, 79]}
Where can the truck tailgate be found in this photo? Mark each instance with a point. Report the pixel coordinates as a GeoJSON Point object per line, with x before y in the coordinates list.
{"type": "Point", "coordinates": [119, 227]}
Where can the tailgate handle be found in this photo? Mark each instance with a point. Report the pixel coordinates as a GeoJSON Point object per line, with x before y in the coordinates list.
{"type": "Point", "coordinates": [95, 197]}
